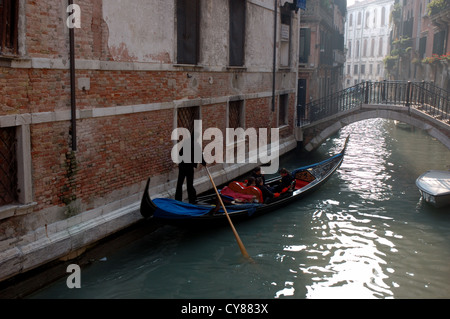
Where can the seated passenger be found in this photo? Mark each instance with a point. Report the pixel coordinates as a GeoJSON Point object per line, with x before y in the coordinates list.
{"type": "Point", "coordinates": [250, 182]}
{"type": "Point", "coordinates": [286, 181]}
{"type": "Point", "coordinates": [257, 173]}
{"type": "Point", "coordinates": [266, 192]}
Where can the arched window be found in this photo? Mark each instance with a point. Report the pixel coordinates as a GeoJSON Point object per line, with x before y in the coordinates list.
{"type": "Point", "coordinates": [375, 18]}
{"type": "Point", "coordinates": [383, 16]}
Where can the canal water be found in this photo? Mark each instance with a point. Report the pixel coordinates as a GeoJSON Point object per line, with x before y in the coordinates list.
{"type": "Point", "coordinates": [364, 234]}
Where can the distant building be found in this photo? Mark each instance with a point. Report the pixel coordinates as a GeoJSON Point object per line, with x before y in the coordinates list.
{"type": "Point", "coordinates": [421, 36]}
{"type": "Point", "coordinates": [367, 40]}
{"type": "Point", "coordinates": [321, 55]}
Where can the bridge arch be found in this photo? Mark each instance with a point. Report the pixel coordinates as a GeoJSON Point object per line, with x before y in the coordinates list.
{"type": "Point", "coordinates": [314, 134]}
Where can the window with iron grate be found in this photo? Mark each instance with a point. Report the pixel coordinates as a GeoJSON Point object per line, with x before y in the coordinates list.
{"type": "Point", "coordinates": [234, 114]}
{"type": "Point", "coordinates": [186, 117]}
{"type": "Point", "coordinates": [8, 166]}
{"type": "Point", "coordinates": [282, 114]}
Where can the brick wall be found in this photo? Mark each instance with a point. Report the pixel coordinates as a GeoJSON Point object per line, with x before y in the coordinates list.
{"type": "Point", "coordinates": [116, 150]}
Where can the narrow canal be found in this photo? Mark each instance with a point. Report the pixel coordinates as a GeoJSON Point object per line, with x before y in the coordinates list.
{"type": "Point", "coordinates": [364, 234]}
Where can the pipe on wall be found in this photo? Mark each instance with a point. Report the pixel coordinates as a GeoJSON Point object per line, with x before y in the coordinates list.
{"type": "Point", "coordinates": [274, 54]}
{"type": "Point", "coordinates": [73, 106]}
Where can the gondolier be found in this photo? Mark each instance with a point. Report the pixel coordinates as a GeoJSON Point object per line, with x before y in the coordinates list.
{"type": "Point", "coordinates": [186, 171]}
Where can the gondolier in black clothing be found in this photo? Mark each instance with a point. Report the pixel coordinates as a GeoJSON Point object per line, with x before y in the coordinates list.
{"type": "Point", "coordinates": [186, 171]}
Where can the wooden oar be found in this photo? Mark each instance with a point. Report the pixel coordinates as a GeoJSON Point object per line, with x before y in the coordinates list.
{"type": "Point", "coordinates": [239, 241]}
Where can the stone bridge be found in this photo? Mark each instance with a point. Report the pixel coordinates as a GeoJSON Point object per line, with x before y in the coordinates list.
{"type": "Point", "coordinates": [419, 104]}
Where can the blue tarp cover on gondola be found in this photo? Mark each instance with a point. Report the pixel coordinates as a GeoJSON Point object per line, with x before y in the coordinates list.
{"type": "Point", "coordinates": [170, 208]}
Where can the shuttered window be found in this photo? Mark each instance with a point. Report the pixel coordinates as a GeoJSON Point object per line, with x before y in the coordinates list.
{"type": "Point", "coordinates": [188, 22]}
{"type": "Point", "coordinates": [438, 43]}
{"type": "Point", "coordinates": [237, 32]}
{"type": "Point", "coordinates": [305, 40]}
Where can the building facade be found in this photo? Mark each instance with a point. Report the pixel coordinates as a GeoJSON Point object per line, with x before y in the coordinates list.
{"type": "Point", "coordinates": [421, 41]}
{"type": "Point", "coordinates": [321, 50]}
{"type": "Point", "coordinates": [367, 39]}
{"type": "Point", "coordinates": [90, 96]}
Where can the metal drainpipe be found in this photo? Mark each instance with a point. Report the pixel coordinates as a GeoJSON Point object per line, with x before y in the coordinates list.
{"type": "Point", "coordinates": [274, 55]}
{"type": "Point", "coordinates": [73, 106]}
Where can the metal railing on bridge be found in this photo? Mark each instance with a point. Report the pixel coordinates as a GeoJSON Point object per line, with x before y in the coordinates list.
{"type": "Point", "coordinates": [424, 96]}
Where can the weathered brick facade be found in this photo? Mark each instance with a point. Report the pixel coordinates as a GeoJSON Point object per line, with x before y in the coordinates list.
{"type": "Point", "coordinates": [126, 107]}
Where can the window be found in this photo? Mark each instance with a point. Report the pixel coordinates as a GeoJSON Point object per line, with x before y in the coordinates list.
{"type": "Point", "coordinates": [234, 142]}
{"type": "Point", "coordinates": [367, 19]}
{"type": "Point", "coordinates": [380, 47]}
{"type": "Point", "coordinates": [365, 48]}
{"type": "Point", "coordinates": [15, 170]}
{"type": "Point", "coordinates": [186, 117]}
{"type": "Point", "coordinates": [349, 49]}
{"type": "Point", "coordinates": [439, 42]}
{"type": "Point", "coordinates": [363, 69]}
{"type": "Point", "coordinates": [357, 49]}
{"type": "Point", "coordinates": [8, 166]}
{"type": "Point", "coordinates": [359, 18]}
{"type": "Point", "coordinates": [285, 35]}
{"type": "Point", "coordinates": [283, 111]}
{"type": "Point", "coordinates": [383, 16]}
{"type": "Point", "coordinates": [234, 114]}
{"type": "Point", "coordinates": [9, 14]}
{"type": "Point", "coordinates": [348, 69]}
{"type": "Point", "coordinates": [374, 18]}
{"type": "Point", "coordinates": [237, 32]}
{"type": "Point", "coordinates": [305, 40]}
{"type": "Point", "coordinates": [422, 47]}
{"type": "Point", "coordinates": [188, 22]}
{"type": "Point", "coordinates": [350, 20]}
{"type": "Point", "coordinates": [355, 70]}
{"type": "Point", "coordinates": [372, 47]}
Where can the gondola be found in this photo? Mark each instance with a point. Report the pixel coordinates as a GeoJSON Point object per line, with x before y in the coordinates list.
{"type": "Point", "coordinates": [207, 211]}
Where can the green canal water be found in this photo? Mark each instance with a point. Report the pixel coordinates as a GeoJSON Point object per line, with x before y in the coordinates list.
{"type": "Point", "coordinates": [364, 234]}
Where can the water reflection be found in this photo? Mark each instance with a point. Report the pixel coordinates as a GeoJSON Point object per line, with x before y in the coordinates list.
{"type": "Point", "coordinates": [352, 261]}
{"type": "Point", "coordinates": [356, 235]}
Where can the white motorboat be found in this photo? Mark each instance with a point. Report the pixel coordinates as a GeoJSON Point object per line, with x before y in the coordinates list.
{"type": "Point", "coordinates": [434, 186]}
